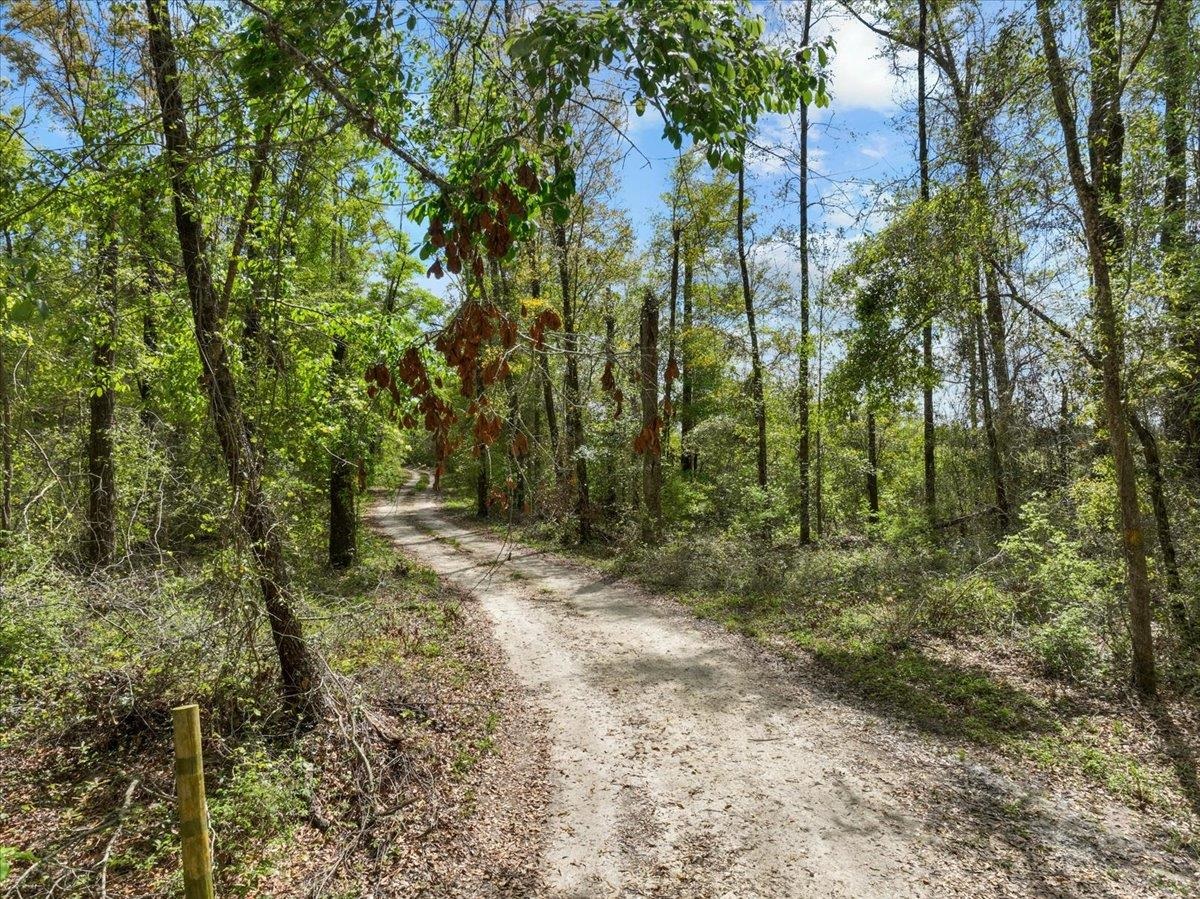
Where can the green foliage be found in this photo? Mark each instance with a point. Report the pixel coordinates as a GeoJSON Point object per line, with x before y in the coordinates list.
{"type": "Point", "coordinates": [704, 64]}
{"type": "Point", "coordinates": [921, 266]}
{"type": "Point", "coordinates": [259, 798]}
{"type": "Point", "coordinates": [8, 855]}
{"type": "Point", "coordinates": [1065, 646]}
{"type": "Point", "coordinates": [1047, 568]}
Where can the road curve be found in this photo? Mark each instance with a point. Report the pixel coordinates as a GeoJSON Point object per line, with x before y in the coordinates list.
{"type": "Point", "coordinates": [681, 765]}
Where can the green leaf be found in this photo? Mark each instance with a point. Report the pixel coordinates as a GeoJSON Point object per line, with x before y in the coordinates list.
{"type": "Point", "coordinates": [23, 310]}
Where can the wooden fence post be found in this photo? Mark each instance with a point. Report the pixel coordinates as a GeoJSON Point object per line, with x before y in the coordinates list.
{"type": "Point", "coordinates": [193, 811]}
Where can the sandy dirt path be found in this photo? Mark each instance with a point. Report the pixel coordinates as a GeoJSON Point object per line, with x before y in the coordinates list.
{"type": "Point", "coordinates": [682, 765]}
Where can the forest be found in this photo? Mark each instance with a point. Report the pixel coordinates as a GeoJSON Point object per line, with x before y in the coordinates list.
{"type": "Point", "coordinates": [589, 448]}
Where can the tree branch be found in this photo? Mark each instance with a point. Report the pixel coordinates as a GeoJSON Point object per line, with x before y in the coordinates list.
{"type": "Point", "coordinates": [360, 115]}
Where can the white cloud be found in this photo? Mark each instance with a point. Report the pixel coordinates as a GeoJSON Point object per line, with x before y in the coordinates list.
{"type": "Point", "coordinates": [877, 146]}
{"type": "Point", "coordinates": [648, 125]}
{"type": "Point", "coordinates": [861, 75]}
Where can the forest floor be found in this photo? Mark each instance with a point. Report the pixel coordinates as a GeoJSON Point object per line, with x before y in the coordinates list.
{"type": "Point", "coordinates": [430, 780]}
{"type": "Point", "coordinates": [689, 761]}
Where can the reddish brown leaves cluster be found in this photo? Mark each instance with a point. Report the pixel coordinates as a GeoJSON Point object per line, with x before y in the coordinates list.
{"type": "Point", "coordinates": [498, 499]}
{"type": "Point", "coordinates": [649, 440]}
{"type": "Point", "coordinates": [379, 377]}
{"type": "Point", "coordinates": [520, 445]}
{"type": "Point", "coordinates": [609, 382]}
{"type": "Point", "coordinates": [463, 340]}
{"type": "Point", "coordinates": [487, 424]}
{"type": "Point", "coordinates": [547, 320]}
{"type": "Point", "coordinates": [495, 211]}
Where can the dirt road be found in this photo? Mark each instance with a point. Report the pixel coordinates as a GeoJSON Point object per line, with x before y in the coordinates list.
{"type": "Point", "coordinates": [684, 764]}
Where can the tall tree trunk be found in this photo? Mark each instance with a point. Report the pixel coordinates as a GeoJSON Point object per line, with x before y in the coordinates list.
{"type": "Point", "coordinates": [299, 669]}
{"type": "Point", "coordinates": [756, 373]}
{"type": "Point", "coordinates": [1099, 197]}
{"type": "Point", "coordinates": [6, 439]}
{"type": "Point", "coordinates": [343, 524]}
{"type": "Point", "coordinates": [995, 459]}
{"type": "Point", "coordinates": [571, 393]}
{"type": "Point", "coordinates": [150, 345]}
{"type": "Point", "coordinates": [687, 411]}
{"type": "Point", "coordinates": [516, 453]}
{"type": "Point", "coordinates": [803, 394]}
{"type": "Point", "coordinates": [927, 331]}
{"type": "Point", "coordinates": [872, 469]}
{"type": "Point", "coordinates": [1176, 73]}
{"type": "Point", "coordinates": [102, 403]}
{"type": "Point", "coordinates": [819, 461]}
{"type": "Point", "coordinates": [1162, 517]}
{"type": "Point", "coordinates": [610, 364]}
{"type": "Point", "coordinates": [650, 438]}
{"type": "Point", "coordinates": [482, 475]}
{"type": "Point", "coordinates": [149, 319]}
{"type": "Point", "coordinates": [672, 370]}
{"type": "Point", "coordinates": [971, 124]}
{"type": "Point", "coordinates": [543, 358]}
{"type": "Point", "coordinates": [998, 344]}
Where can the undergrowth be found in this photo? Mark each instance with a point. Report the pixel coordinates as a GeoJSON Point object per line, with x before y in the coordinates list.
{"type": "Point", "coordinates": [90, 668]}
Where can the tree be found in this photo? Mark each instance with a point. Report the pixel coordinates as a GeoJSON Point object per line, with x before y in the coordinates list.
{"type": "Point", "coordinates": [298, 667]}
{"type": "Point", "coordinates": [804, 392]}
{"type": "Point", "coordinates": [928, 434]}
{"type": "Point", "coordinates": [649, 441]}
{"type": "Point", "coordinates": [1098, 192]}
{"type": "Point", "coordinates": [757, 400]}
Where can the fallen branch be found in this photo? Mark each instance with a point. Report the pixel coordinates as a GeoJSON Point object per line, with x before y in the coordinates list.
{"type": "Point", "coordinates": [129, 791]}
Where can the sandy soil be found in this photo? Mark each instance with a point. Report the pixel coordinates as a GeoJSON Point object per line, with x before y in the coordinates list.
{"type": "Point", "coordinates": [684, 764]}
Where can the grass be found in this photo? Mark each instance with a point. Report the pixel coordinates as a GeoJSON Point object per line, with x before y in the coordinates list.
{"type": "Point", "coordinates": [193, 632]}
{"type": "Point", "coordinates": [854, 646]}
{"type": "Point", "coordinates": [864, 618]}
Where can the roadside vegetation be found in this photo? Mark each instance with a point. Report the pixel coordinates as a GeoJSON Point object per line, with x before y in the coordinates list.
{"type": "Point", "coordinates": [930, 429]}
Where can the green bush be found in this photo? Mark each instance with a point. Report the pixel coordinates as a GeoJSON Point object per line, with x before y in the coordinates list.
{"type": "Point", "coordinates": [1065, 645]}
{"type": "Point", "coordinates": [1047, 568]}
{"type": "Point", "coordinates": [254, 806]}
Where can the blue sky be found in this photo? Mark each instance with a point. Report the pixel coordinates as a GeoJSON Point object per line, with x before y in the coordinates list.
{"type": "Point", "coordinates": [866, 135]}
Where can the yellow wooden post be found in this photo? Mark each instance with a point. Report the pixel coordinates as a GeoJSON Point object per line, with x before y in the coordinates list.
{"type": "Point", "coordinates": [193, 811]}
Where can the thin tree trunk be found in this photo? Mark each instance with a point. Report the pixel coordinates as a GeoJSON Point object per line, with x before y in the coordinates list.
{"type": "Point", "coordinates": [299, 669]}
{"type": "Point", "coordinates": [819, 475]}
{"type": "Point", "coordinates": [929, 435]}
{"type": "Point", "coordinates": [872, 469]}
{"type": "Point", "coordinates": [672, 365]}
{"type": "Point", "coordinates": [610, 364]}
{"type": "Point", "coordinates": [516, 429]}
{"type": "Point", "coordinates": [970, 351]}
{"type": "Point", "coordinates": [535, 291]}
{"type": "Point", "coordinates": [803, 398]}
{"type": "Point", "coordinates": [482, 475]}
{"type": "Point", "coordinates": [1099, 197]}
{"type": "Point", "coordinates": [343, 525]}
{"type": "Point", "coordinates": [651, 447]}
{"type": "Point", "coordinates": [1158, 499]}
{"type": "Point", "coordinates": [995, 459]}
{"type": "Point", "coordinates": [756, 373]}
{"type": "Point", "coordinates": [102, 404]}
{"type": "Point", "coordinates": [6, 441]}
{"type": "Point", "coordinates": [998, 344]}
{"type": "Point", "coordinates": [1175, 75]}
{"type": "Point", "coordinates": [571, 393]}
{"type": "Point", "coordinates": [687, 411]}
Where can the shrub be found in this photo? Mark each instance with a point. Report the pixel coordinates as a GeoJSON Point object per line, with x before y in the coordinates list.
{"type": "Point", "coordinates": [254, 807]}
{"type": "Point", "coordinates": [1065, 645]}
